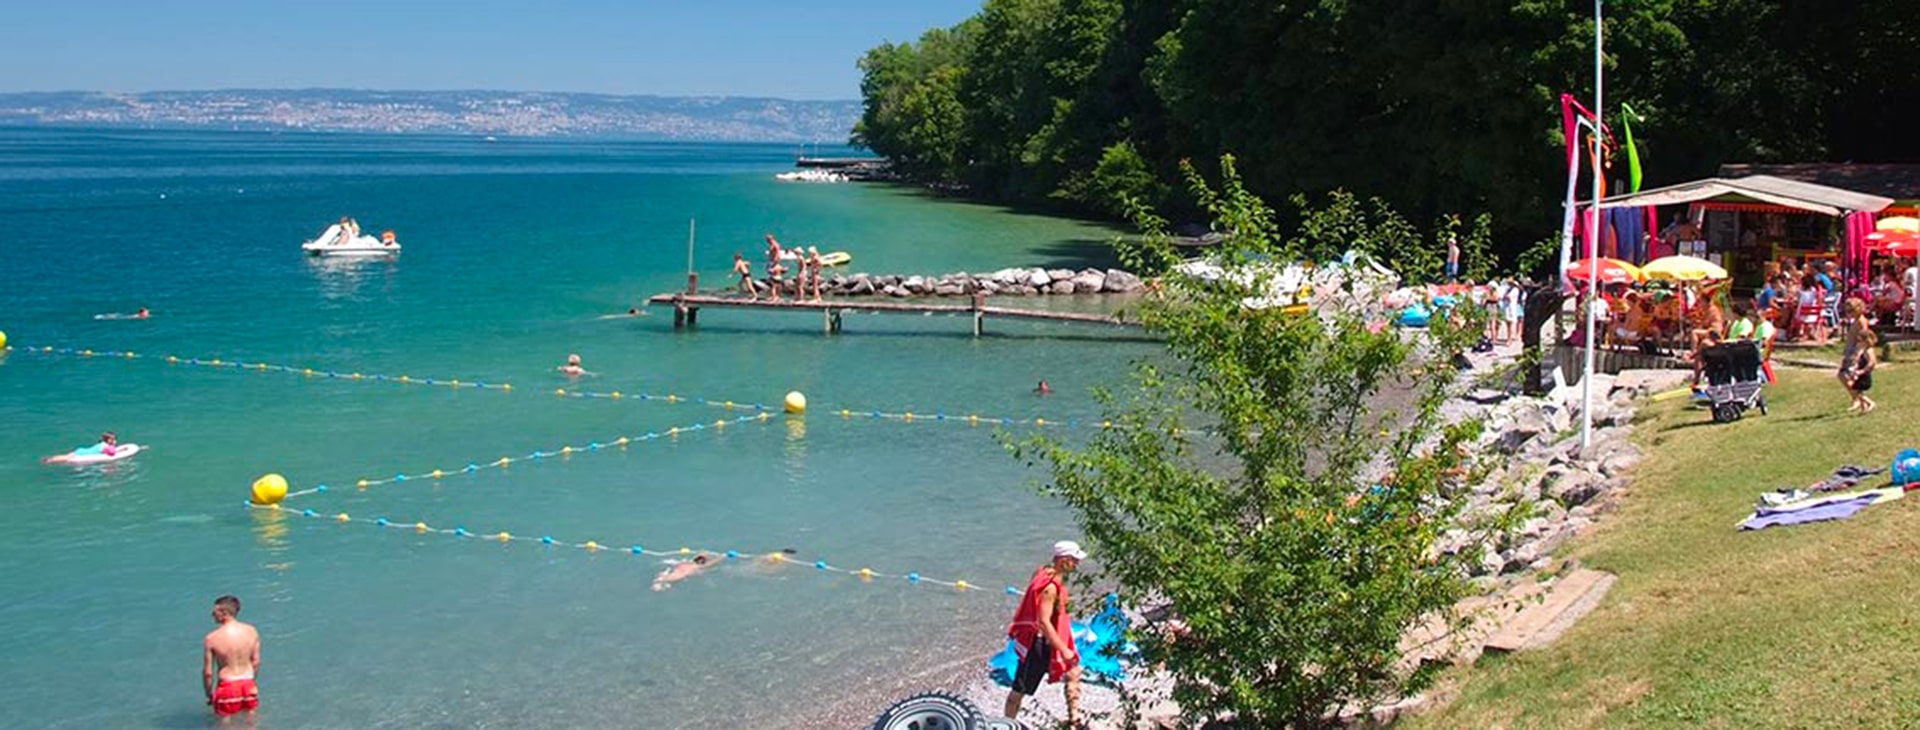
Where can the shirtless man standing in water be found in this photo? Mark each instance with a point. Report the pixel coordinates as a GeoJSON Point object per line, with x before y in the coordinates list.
{"type": "Point", "coordinates": [232, 655]}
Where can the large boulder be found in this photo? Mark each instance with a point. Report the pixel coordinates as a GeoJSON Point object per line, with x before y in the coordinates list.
{"type": "Point", "coordinates": [1058, 274]}
{"type": "Point", "coordinates": [1060, 286]}
{"type": "Point", "coordinates": [861, 286]}
{"type": "Point", "coordinates": [1526, 425]}
{"type": "Point", "coordinates": [1572, 487]}
{"type": "Point", "coordinates": [948, 290]}
{"type": "Point", "coordinates": [1089, 281]}
{"type": "Point", "coordinates": [1009, 277]}
{"type": "Point", "coordinates": [895, 290]}
{"type": "Point", "coordinates": [1037, 278]}
{"type": "Point", "coordinates": [1121, 282]}
{"type": "Point", "coordinates": [915, 284]}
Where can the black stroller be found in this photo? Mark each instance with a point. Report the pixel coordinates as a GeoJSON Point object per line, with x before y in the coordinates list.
{"type": "Point", "coordinates": [1734, 379]}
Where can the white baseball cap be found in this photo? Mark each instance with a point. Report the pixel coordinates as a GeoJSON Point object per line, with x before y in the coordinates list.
{"type": "Point", "coordinates": [1069, 549]}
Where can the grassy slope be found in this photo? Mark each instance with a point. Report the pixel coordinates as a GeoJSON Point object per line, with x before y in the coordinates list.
{"type": "Point", "coordinates": [1804, 626]}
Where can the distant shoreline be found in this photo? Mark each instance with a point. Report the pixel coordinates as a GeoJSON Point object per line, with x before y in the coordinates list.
{"type": "Point", "coordinates": [518, 114]}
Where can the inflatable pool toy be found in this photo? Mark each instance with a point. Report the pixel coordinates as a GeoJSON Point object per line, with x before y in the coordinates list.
{"type": "Point", "coordinates": [834, 258]}
{"type": "Point", "coordinates": [1416, 315]}
{"type": "Point", "coordinates": [94, 455]}
{"type": "Point", "coordinates": [1102, 643]}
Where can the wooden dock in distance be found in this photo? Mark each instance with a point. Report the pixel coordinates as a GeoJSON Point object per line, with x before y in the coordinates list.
{"type": "Point", "coordinates": [686, 310]}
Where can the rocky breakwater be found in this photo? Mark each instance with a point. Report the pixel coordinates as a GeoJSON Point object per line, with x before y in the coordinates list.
{"type": "Point", "coordinates": [1536, 465]}
{"type": "Point", "coordinates": [1005, 282]}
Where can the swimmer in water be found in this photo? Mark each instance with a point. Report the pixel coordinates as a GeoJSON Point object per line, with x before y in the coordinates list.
{"type": "Point", "coordinates": [109, 445]}
{"type": "Point", "coordinates": [572, 369]}
{"type": "Point", "coordinates": [142, 314]}
{"type": "Point", "coordinates": [1042, 388]}
{"type": "Point", "coordinates": [683, 570]}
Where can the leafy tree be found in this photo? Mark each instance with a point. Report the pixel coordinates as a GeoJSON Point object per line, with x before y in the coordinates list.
{"type": "Point", "coordinates": [1297, 538]}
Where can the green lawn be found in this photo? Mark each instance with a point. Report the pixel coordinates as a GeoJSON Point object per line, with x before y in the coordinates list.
{"type": "Point", "coordinates": [1806, 626]}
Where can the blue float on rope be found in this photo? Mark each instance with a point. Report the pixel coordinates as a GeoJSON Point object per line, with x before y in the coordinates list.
{"type": "Point", "coordinates": [913, 577]}
{"type": "Point", "coordinates": [381, 522]}
{"type": "Point", "coordinates": [733, 555]}
{"type": "Point", "coordinates": [399, 477]}
{"type": "Point", "coordinates": [821, 564]}
{"type": "Point", "coordinates": [306, 513]}
{"type": "Point", "coordinates": [322, 488]}
{"type": "Point", "coordinates": [460, 531]}
{"type": "Point", "coordinates": [473, 467]}
{"type": "Point", "coordinates": [1012, 591]}
{"type": "Point", "coordinates": [637, 550]}
{"type": "Point", "coordinates": [546, 540]}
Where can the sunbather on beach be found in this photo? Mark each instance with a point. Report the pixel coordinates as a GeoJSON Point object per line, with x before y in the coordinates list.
{"type": "Point", "coordinates": [683, 570]}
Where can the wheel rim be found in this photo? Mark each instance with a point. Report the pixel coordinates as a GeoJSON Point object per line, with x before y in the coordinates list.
{"type": "Point", "coordinates": [927, 719]}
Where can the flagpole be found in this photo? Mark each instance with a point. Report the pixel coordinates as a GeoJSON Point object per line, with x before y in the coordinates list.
{"type": "Point", "coordinates": [1593, 240]}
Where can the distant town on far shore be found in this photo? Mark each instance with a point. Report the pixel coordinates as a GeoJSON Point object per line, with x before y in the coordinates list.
{"type": "Point", "coordinates": [505, 113]}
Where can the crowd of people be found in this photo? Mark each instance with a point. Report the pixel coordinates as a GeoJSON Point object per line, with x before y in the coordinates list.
{"type": "Point", "coordinates": [806, 279]}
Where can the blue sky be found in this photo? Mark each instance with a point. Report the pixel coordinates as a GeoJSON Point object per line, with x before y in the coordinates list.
{"type": "Point", "coordinates": [793, 49]}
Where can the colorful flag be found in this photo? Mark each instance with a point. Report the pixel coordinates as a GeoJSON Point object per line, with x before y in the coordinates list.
{"type": "Point", "coordinates": [1633, 153]}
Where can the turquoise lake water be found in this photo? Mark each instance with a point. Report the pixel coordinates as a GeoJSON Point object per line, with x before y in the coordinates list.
{"type": "Point", "coordinates": [514, 252]}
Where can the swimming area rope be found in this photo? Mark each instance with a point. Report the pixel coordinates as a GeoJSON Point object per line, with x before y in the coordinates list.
{"type": "Point", "coordinates": [503, 462]}
{"type": "Point", "coordinates": [504, 536]}
{"type": "Point", "coordinates": [938, 417]}
{"type": "Point", "coordinates": [759, 412]}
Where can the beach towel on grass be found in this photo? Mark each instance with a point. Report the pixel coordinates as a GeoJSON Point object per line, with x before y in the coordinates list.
{"type": "Point", "coordinates": [1819, 509]}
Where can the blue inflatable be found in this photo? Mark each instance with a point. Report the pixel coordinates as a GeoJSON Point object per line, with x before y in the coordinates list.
{"type": "Point", "coordinates": [1102, 643]}
{"type": "Point", "coordinates": [1416, 315]}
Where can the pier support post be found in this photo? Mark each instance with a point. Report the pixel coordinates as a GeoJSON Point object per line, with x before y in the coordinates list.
{"type": "Point", "coordinates": [833, 320]}
{"type": "Point", "coordinates": [679, 315]}
{"type": "Point", "coordinates": [693, 317]}
{"type": "Point", "coordinates": [979, 317]}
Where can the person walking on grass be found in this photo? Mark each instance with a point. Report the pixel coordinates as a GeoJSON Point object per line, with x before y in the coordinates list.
{"type": "Point", "coordinates": [1042, 633]}
{"type": "Point", "coordinates": [1858, 359]}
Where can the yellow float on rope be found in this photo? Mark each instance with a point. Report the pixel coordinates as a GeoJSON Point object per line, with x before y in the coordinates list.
{"type": "Point", "coordinates": [3, 340]}
{"type": "Point", "coordinates": [796, 403]}
{"type": "Point", "coordinates": [342, 517]}
{"type": "Point", "coordinates": [269, 489]}
{"type": "Point", "coordinates": [591, 546]}
{"type": "Point", "coordinates": [503, 536]}
{"type": "Point", "coordinates": [420, 526]}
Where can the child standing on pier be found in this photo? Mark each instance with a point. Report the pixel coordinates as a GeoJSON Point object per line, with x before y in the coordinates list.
{"type": "Point", "coordinates": [745, 271]}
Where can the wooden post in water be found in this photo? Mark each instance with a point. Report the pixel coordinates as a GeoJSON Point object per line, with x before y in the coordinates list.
{"type": "Point", "coordinates": [979, 317]}
{"type": "Point", "coordinates": [693, 277]}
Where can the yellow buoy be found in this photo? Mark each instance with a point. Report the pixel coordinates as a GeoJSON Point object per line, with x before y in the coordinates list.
{"type": "Point", "coordinates": [3, 340]}
{"type": "Point", "coordinates": [420, 526]}
{"type": "Point", "coordinates": [504, 536]}
{"type": "Point", "coordinates": [960, 585]}
{"type": "Point", "coordinates": [342, 517]}
{"type": "Point", "coordinates": [269, 489]}
{"type": "Point", "coordinates": [592, 546]}
{"type": "Point", "coordinates": [796, 403]}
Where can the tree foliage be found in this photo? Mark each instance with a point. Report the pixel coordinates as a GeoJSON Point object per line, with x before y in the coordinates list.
{"type": "Point", "coordinates": [1432, 107]}
{"type": "Point", "coordinates": [1296, 537]}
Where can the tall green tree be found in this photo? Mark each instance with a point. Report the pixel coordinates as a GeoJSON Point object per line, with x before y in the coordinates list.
{"type": "Point", "coordinates": [1296, 539]}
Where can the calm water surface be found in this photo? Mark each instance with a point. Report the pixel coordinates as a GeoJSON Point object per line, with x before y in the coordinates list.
{"type": "Point", "coordinates": [514, 253]}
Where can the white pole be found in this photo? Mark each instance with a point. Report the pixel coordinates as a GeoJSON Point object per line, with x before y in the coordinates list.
{"type": "Point", "coordinates": [1593, 247]}
{"type": "Point", "coordinates": [690, 245]}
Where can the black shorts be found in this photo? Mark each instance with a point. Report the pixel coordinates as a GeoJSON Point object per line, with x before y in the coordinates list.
{"type": "Point", "coordinates": [1864, 381]}
{"type": "Point", "coordinates": [1033, 667]}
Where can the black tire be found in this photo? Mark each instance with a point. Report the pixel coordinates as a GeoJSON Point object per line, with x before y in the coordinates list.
{"type": "Point", "coordinates": [931, 711]}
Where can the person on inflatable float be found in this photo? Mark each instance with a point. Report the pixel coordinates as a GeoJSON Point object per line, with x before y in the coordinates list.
{"type": "Point", "coordinates": [1042, 633]}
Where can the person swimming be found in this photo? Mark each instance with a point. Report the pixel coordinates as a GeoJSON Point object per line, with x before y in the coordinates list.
{"type": "Point", "coordinates": [683, 570]}
{"type": "Point", "coordinates": [1042, 388]}
{"type": "Point", "coordinates": [143, 313]}
{"type": "Point", "coordinates": [109, 446]}
{"type": "Point", "coordinates": [572, 368]}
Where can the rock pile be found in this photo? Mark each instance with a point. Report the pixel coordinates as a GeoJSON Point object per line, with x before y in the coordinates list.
{"type": "Point", "coordinates": [1005, 282]}
{"type": "Point", "coordinates": [1543, 471]}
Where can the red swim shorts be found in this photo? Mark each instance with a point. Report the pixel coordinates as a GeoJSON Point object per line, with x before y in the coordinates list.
{"type": "Point", "coordinates": [234, 695]}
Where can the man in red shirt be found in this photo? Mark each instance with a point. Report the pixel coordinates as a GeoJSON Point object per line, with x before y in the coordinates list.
{"type": "Point", "coordinates": [1042, 633]}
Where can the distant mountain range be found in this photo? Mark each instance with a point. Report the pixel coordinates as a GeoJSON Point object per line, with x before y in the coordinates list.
{"type": "Point", "coordinates": [515, 113]}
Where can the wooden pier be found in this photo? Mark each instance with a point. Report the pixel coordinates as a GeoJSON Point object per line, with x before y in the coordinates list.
{"type": "Point", "coordinates": [686, 310]}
